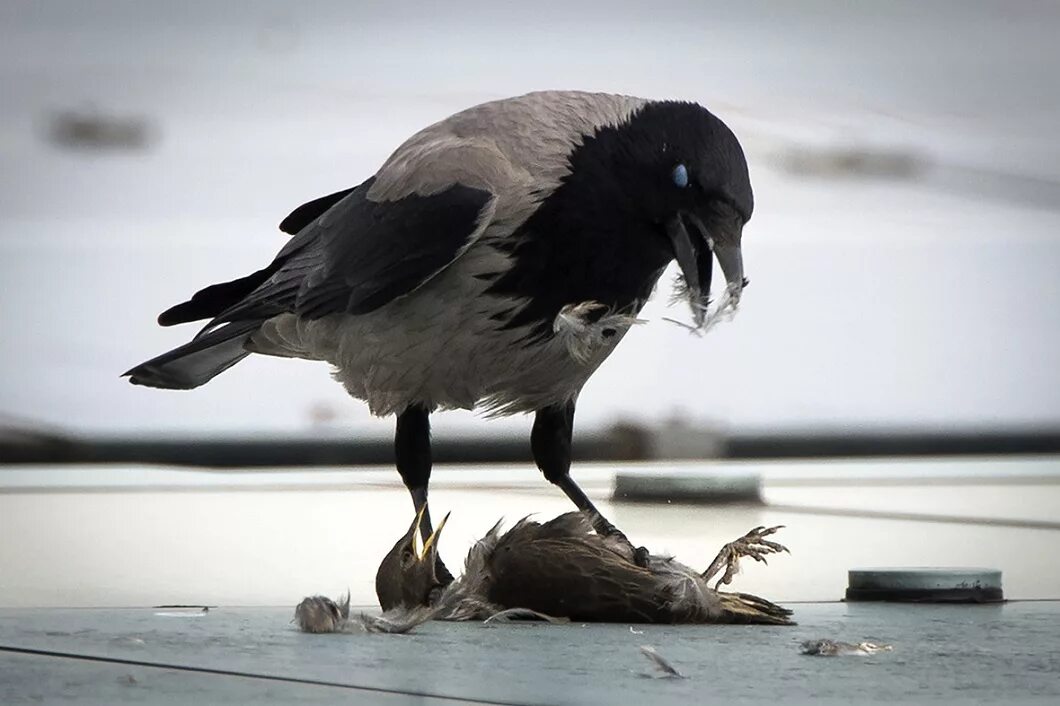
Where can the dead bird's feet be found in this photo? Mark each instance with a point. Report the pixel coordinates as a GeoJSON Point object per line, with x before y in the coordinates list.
{"type": "Point", "coordinates": [753, 544]}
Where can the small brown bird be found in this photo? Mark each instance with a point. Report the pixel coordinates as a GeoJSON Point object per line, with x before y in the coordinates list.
{"type": "Point", "coordinates": [407, 584]}
{"type": "Point", "coordinates": [564, 569]}
{"type": "Point", "coordinates": [409, 575]}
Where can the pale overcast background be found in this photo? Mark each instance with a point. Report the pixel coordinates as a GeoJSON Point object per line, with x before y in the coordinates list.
{"type": "Point", "coordinates": [924, 294]}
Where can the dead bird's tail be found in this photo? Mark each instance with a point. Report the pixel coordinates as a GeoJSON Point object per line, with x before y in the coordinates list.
{"type": "Point", "coordinates": [752, 610]}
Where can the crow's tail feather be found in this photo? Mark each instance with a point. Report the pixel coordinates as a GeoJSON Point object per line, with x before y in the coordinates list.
{"type": "Point", "coordinates": [211, 301]}
{"type": "Point", "coordinates": [198, 361]}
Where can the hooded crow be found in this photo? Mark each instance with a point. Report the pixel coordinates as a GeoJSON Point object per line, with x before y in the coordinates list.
{"type": "Point", "coordinates": [493, 262]}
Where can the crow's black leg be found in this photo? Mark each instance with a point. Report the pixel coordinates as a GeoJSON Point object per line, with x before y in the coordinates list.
{"type": "Point", "coordinates": [550, 442]}
{"type": "Point", "coordinates": [412, 448]}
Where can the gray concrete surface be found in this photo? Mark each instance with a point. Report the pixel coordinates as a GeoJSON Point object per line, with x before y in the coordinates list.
{"type": "Point", "coordinates": [942, 654]}
{"type": "Point", "coordinates": [75, 538]}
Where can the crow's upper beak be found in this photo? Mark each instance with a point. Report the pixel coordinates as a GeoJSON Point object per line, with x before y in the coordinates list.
{"type": "Point", "coordinates": [693, 254]}
{"type": "Point", "coordinates": [724, 240]}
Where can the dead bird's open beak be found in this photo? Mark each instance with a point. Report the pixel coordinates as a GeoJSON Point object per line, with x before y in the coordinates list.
{"type": "Point", "coordinates": [432, 541]}
{"type": "Point", "coordinates": [422, 549]}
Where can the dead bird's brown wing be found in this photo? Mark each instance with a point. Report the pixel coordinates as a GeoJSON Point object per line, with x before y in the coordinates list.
{"type": "Point", "coordinates": [576, 578]}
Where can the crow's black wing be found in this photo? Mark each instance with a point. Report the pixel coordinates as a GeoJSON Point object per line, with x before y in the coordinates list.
{"type": "Point", "coordinates": [311, 210]}
{"type": "Point", "coordinates": [361, 254]}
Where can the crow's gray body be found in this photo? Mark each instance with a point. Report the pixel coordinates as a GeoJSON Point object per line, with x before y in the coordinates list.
{"type": "Point", "coordinates": [439, 349]}
{"type": "Point", "coordinates": [439, 346]}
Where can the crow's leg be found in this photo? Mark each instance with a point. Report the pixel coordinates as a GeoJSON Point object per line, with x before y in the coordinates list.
{"type": "Point", "coordinates": [412, 448]}
{"type": "Point", "coordinates": [753, 544]}
{"type": "Point", "coordinates": [550, 442]}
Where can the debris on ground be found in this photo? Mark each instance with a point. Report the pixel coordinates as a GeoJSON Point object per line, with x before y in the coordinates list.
{"type": "Point", "coordinates": [834, 648]}
{"type": "Point", "coordinates": [661, 663]}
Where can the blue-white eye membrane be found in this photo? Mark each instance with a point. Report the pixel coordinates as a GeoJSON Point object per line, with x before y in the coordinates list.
{"type": "Point", "coordinates": [680, 176]}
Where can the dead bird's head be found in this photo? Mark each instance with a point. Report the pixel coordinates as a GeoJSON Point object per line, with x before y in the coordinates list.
{"type": "Point", "coordinates": [407, 576]}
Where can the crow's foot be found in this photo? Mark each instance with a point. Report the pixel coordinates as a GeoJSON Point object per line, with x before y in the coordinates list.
{"type": "Point", "coordinates": [604, 528]}
{"type": "Point", "coordinates": [641, 555]}
{"type": "Point", "coordinates": [753, 544]}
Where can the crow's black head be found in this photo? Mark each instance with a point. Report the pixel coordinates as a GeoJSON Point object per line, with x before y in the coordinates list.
{"type": "Point", "coordinates": [670, 182]}
{"type": "Point", "coordinates": [672, 156]}
{"type": "Point", "coordinates": [681, 171]}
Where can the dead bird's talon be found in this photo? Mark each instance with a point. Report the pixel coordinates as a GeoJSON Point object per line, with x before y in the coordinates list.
{"type": "Point", "coordinates": [752, 545]}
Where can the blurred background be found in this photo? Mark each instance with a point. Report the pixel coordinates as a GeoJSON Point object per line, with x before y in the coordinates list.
{"type": "Point", "coordinates": [904, 253]}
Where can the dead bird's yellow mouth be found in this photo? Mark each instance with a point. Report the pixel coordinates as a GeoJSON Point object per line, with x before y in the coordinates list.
{"type": "Point", "coordinates": [422, 548]}
{"type": "Point", "coordinates": [433, 538]}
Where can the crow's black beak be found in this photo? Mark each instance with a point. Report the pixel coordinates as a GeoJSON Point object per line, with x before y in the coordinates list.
{"type": "Point", "coordinates": [724, 241]}
{"type": "Point", "coordinates": [685, 252]}
{"type": "Point", "coordinates": [694, 254]}
{"type": "Point", "coordinates": [689, 254]}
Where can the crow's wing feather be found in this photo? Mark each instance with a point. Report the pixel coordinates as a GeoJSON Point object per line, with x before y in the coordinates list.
{"type": "Point", "coordinates": [361, 254]}
{"type": "Point", "coordinates": [311, 210]}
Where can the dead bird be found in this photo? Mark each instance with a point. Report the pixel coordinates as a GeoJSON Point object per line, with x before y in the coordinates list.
{"type": "Point", "coordinates": [409, 576]}
{"type": "Point", "coordinates": [834, 648]}
{"type": "Point", "coordinates": [407, 584]}
{"type": "Point", "coordinates": [564, 569]}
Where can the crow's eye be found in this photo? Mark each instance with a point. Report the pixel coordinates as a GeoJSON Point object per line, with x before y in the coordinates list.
{"type": "Point", "coordinates": [680, 176]}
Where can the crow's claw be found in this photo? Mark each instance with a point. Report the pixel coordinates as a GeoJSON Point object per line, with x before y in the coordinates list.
{"type": "Point", "coordinates": [641, 556]}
